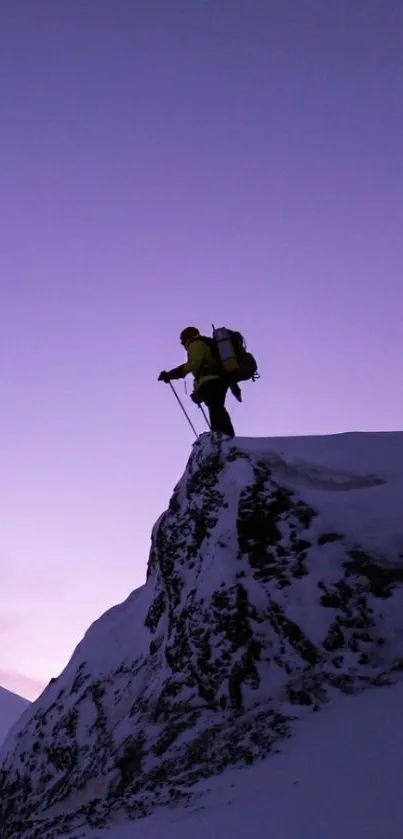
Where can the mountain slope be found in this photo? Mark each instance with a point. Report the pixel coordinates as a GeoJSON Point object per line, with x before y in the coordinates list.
{"type": "Point", "coordinates": [275, 582]}
{"type": "Point", "coordinates": [340, 778]}
{"type": "Point", "coordinates": [11, 708]}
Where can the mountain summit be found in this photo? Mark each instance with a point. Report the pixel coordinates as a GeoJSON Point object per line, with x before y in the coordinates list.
{"type": "Point", "coordinates": [274, 583]}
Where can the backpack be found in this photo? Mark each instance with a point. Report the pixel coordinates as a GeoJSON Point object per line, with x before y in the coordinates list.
{"type": "Point", "coordinates": [229, 351]}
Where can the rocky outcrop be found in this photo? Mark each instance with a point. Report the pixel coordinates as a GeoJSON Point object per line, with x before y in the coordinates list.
{"type": "Point", "coordinates": [253, 614]}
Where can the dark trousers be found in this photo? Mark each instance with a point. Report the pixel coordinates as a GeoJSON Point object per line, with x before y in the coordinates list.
{"type": "Point", "coordinates": [213, 394]}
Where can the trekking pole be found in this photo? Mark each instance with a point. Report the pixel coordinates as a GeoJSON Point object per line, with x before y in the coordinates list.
{"type": "Point", "coordinates": [183, 409]}
{"type": "Point", "coordinates": [205, 416]}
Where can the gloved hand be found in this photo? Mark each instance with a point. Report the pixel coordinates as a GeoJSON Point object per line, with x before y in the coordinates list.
{"type": "Point", "coordinates": [195, 398]}
{"type": "Point", "coordinates": [236, 391]}
{"type": "Point", "coordinates": [164, 377]}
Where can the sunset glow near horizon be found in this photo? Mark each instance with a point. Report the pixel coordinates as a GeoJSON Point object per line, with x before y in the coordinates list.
{"type": "Point", "coordinates": [166, 164]}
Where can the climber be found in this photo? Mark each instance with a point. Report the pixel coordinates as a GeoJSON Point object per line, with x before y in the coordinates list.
{"type": "Point", "coordinates": [210, 386]}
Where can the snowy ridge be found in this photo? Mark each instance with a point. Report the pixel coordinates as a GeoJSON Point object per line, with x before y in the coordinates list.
{"type": "Point", "coordinates": [11, 708]}
{"type": "Point", "coordinates": [275, 582]}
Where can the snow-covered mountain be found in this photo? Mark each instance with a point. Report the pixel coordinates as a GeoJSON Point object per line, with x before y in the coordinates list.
{"type": "Point", "coordinates": [11, 708]}
{"type": "Point", "coordinates": [274, 585]}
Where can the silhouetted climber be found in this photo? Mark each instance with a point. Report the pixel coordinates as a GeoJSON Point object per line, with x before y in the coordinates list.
{"type": "Point", "coordinates": [210, 382]}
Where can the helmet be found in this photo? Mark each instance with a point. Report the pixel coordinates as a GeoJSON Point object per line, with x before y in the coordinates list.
{"type": "Point", "coordinates": [188, 334]}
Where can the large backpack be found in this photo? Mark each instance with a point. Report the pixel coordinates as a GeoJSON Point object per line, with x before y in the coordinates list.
{"type": "Point", "coordinates": [229, 350]}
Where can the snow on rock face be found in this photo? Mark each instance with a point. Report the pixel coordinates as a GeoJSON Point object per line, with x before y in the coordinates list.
{"type": "Point", "coordinates": [272, 585]}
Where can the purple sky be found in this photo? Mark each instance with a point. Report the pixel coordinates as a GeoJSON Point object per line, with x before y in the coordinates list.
{"type": "Point", "coordinates": [165, 163]}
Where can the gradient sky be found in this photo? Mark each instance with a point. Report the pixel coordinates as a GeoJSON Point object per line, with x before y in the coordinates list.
{"type": "Point", "coordinates": [166, 163]}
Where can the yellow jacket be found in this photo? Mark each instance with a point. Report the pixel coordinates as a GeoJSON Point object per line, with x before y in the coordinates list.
{"type": "Point", "coordinates": [200, 362]}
